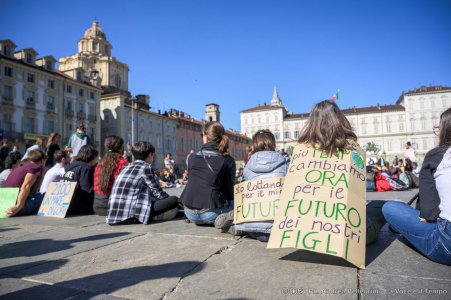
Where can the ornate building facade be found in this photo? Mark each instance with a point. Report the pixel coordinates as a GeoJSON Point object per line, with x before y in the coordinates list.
{"type": "Point", "coordinates": [411, 118]}
{"type": "Point", "coordinates": [130, 117]}
{"type": "Point", "coordinates": [37, 99]}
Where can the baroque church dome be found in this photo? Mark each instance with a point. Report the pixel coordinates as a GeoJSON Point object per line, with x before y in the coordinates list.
{"type": "Point", "coordinates": [95, 31]}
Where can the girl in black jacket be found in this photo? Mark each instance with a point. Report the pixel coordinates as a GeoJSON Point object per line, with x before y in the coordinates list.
{"type": "Point", "coordinates": [209, 191]}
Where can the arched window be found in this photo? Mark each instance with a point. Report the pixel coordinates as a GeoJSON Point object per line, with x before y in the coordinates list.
{"type": "Point", "coordinates": [117, 81]}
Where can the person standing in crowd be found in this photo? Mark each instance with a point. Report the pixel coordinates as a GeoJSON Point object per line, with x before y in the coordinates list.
{"type": "Point", "coordinates": [395, 161]}
{"type": "Point", "coordinates": [137, 195]}
{"type": "Point", "coordinates": [41, 142]}
{"type": "Point", "coordinates": [52, 146]}
{"type": "Point", "coordinates": [4, 151]}
{"type": "Point", "coordinates": [78, 139]}
{"type": "Point", "coordinates": [11, 162]}
{"type": "Point", "coordinates": [81, 172]}
{"type": "Point", "coordinates": [429, 229]}
{"type": "Point", "coordinates": [106, 172]}
{"type": "Point", "coordinates": [169, 162]}
{"type": "Point", "coordinates": [25, 177]}
{"type": "Point", "coordinates": [265, 162]}
{"type": "Point", "coordinates": [209, 191]}
{"type": "Point", "coordinates": [15, 152]}
{"type": "Point", "coordinates": [56, 172]}
{"type": "Point", "coordinates": [409, 152]}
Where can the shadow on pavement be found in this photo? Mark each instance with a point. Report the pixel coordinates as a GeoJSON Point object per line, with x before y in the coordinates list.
{"type": "Point", "coordinates": [8, 229]}
{"type": "Point", "coordinates": [317, 258]}
{"type": "Point", "coordinates": [35, 268]}
{"type": "Point", "coordinates": [110, 282]}
{"type": "Point", "coordinates": [43, 246]}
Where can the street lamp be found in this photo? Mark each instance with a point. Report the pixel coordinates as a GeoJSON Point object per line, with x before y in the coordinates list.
{"type": "Point", "coordinates": [133, 122]}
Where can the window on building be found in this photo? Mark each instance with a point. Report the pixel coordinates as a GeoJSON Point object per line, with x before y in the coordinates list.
{"type": "Point", "coordinates": [78, 75]}
{"type": "Point", "coordinates": [81, 107]}
{"type": "Point", "coordinates": [412, 125]}
{"type": "Point", "coordinates": [388, 125]}
{"type": "Point", "coordinates": [81, 92]}
{"type": "Point", "coordinates": [287, 134]}
{"type": "Point", "coordinates": [376, 128]}
{"type": "Point", "coordinates": [296, 134]}
{"type": "Point", "coordinates": [50, 127]}
{"type": "Point", "coordinates": [51, 83]}
{"type": "Point", "coordinates": [30, 78]}
{"type": "Point", "coordinates": [389, 146]}
{"type": "Point", "coordinates": [7, 92]}
{"type": "Point", "coordinates": [28, 58]}
{"type": "Point", "coordinates": [423, 124]}
{"type": "Point", "coordinates": [425, 144]}
{"type": "Point", "coordinates": [50, 102]}
{"type": "Point", "coordinates": [277, 135]}
{"type": "Point", "coordinates": [30, 124]}
{"type": "Point", "coordinates": [8, 72]}
{"type": "Point", "coordinates": [30, 97]}
{"type": "Point", "coordinates": [69, 89]}
{"type": "Point", "coordinates": [94, 46]}
{"type": "Point", "coordinates": [69, 105]}
{"type": "Point", "coordinates": [401, 127]}
{"type": "Point", "coordinates": [6, 123]}
{"type": "Point", "coordinates": [7, 50]}
{"type": "Point", "coordinates": [91, 95]}
{"type": "Point", "coordinates": [49, 65]}
{"type": "Point", "coordinates": [117, 81]}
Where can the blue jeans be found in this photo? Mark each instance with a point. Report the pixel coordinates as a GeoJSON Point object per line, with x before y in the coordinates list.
{"type": "Point", "coordinates": [206, 216]}
{"type": "Point", "coordinates": [32, 205]}
{"type": "Point", "coordinates": [433, 240]}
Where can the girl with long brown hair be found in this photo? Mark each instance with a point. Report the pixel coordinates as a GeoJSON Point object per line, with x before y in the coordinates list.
{"type": "Point", "coordinates": [329, 130]}
{"type": "Point", "coordinates": [209, 191]}
{"type": "Point", "coordinates": [52, 147]}
{"type": "Point", "coordinates": [106, 172]}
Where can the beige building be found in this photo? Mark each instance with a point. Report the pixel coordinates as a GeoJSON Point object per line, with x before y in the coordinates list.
{"type": "Point", "coordinates": [37, 99]}
{"type": "Point", "coordinates": [388, 126]}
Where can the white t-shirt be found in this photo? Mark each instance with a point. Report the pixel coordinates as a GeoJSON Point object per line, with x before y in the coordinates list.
{"type": "Point", "coordinates": [52, 174]}
{"type": "Point", "coordinates": [410, 154]}
{"type": "Point", "coordinates": [442, 181]}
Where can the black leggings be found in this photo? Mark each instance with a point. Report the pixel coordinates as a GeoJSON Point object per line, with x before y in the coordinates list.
{"type": "Point", "coordinates": [160, 206]}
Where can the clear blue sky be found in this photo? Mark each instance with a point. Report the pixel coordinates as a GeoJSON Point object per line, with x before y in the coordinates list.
{"type": "Point", "coordinates": [232, 52]}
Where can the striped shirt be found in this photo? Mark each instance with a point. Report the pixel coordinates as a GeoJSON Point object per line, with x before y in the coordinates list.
{"type": "Point", "coordinates": [134, 190]}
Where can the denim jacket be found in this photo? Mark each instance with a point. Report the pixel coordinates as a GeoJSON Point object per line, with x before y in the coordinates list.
{"type": "Point", "coordinates": [263, 164]}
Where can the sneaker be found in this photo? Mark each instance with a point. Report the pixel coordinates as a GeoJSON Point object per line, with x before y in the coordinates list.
{"type": "Point", "coordinates": [167, 215]}
{"type": "Point", "coordinates": [224, 221]}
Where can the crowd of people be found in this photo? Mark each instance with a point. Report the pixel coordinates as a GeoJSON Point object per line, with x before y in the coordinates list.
{"type": "Point", "coordinates": [131, 192]}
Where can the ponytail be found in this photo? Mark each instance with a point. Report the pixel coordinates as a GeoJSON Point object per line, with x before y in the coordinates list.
{"type": "Point", "coordinates": [223, 144]}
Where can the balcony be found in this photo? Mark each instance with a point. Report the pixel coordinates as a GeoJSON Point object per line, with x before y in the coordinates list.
{"type": "Point", "coordinates": [7, 101]}
{"type": "Point", "coordinates": [50, 108]}
{"type": "Point", "coordinates": [81, 115]}
{"type": "Point", "coordinates": [92, 118]}
{"type": "Point", "coordinates": [30, 103]}
{"type": "Point", "coordinates": [69, 113]}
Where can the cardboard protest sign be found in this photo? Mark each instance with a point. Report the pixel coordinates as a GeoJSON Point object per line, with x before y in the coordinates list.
{"type": "Point", "coordinates": [8, 198]}
{"type": "Point", "coordinates": [57, 199]}
{"type": "Point", "coordinates": [257, 200]}
{"type": "Point", "coordinates": [322, 206]}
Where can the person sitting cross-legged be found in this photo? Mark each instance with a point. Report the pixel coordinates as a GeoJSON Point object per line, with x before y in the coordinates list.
{"type": "Point", "coordinates": [137, 195]}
